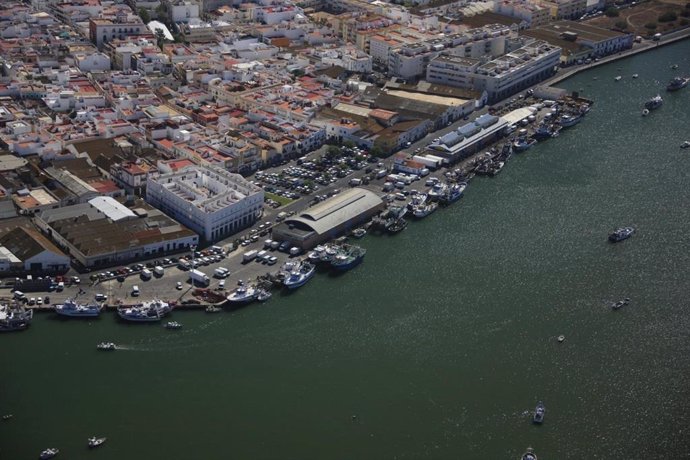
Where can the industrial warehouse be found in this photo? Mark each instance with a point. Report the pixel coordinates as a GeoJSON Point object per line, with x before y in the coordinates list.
{"type": "Point", "coordinates": [329, 219]}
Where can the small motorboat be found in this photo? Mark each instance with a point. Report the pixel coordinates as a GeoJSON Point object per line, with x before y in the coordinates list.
{"type": "Point", "coordinates": [620, 234]}
{"type": "Point", "coordinates": [685, 145]}
{"type": "Point", "coordinates": [674, 66]}
{"type": "Point", "coordinates": [635, 75]}
{"type": "Point", "coordinates": [7, 416]}
{"type": "Point", "coordinates": [49, 453]}
{"type": "Point", "coordinates": [95, 442]}
{"type": "Point", "coordinates": [173, 325]}
{"type": "Point", "coordinates": [618, 78]}
{"type": "Point", "coordinates": [263, 295]}
{"type": "Point", "coordinates": [539, 413]}
{"type": "Point", "coordinates": [359, 232]}
{"type": "Point", "coordinates": [529, 454]}
{"type": "Point", "coordinates": [561, 338]}
{"type": "Point", "coordinates": [106, 346]}
{"type": "Point", "coordinates": [212, 309]}
{"type": "Point", "coordinates": [645, 112]}
{"type": "Point", "coordinates": [620, 303]}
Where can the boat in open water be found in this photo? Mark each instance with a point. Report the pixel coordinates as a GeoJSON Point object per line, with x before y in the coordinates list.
{"type": "Point", "coordinates": [529, 455]}
{"type": "Point", "coordinates": [49, 453]}
{"type": "Point", "coordinates": [654, 103]}
{"type": "Point", "coordinates": [173, 325]}
{"type": "Point", "coordinates": [95, 442]}
{"type": "Point", "coordinates": [620, 234]}
{"type": "Point", "coordinates": [106, 346]}
{"type": "Point", "coordinates": [539, 413]}
{"type": "Point", "coordinates": [74, 309]}
{"type": "Point", "coordinates": [677, 83]}
{"type": "Point", "coordinates": [149, 311]}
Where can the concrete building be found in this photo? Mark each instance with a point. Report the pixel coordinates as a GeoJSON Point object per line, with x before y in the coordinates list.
{"type": "Point", "coordinates": [533, 13]}
{"type": "Point", "coordinates": [104, 232]}
{"type": "Point", "coordinates": [469, 138]}
{"type": "Point", "coordinates": [329, 219]}
{"type": "Point", "coordinates": [501, 77]}
{"type": "Point", "coordinates": [565, 9]}
{"type": "Point", "coordinates": [25, 250]}
{"type": "Point", "coordinates": [103, 30]}
{"type": "Point", "coordinates": [212, 201]}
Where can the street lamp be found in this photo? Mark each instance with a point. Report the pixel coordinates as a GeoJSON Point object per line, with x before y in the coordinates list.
{"type": "Point", "coordinates": [193, 248]}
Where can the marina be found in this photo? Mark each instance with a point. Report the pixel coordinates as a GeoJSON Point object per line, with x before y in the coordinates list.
{"type": "Point", "coordinates": [540, 231]}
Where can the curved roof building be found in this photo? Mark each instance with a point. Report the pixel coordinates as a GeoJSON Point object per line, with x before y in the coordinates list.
{"type": "Point", "coordinates": [329, 219]}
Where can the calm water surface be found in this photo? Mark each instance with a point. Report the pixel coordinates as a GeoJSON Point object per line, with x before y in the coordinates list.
{"type": "Point", "coordinates": [441, 342]}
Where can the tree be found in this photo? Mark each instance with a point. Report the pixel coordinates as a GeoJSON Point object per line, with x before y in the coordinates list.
{"type": "Point", "coordinates": [377, 151]}
{"type": "Point", "coordinates": [621, 25]}
{"type": "Point", "coordinates": [612, 12]}
{"type": "Point", "coordinates": [160, 38]}
{"type": "Point", "coordinates": [650, 26]}
{"type": "Point", "coordinates": [668, 16]}
{"type": "Point", "coordinates": [683, 22]}
{"type": "Point", "coordinates": [144, 15]}
{"type": "Point", "coordinates": [333, 151]}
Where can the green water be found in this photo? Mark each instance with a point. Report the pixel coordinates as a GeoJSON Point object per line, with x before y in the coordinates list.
{"type": "Point", "coordinates": [440, 342]}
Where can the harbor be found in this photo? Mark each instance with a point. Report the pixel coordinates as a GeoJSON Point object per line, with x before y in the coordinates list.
{"type": "Point", "coordinates": [453, 322]}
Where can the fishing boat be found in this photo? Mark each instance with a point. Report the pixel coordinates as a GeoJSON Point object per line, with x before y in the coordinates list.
{"type": "Point", "coordinates": [437, 191]}
{"type": "Point", "coordinates": [349, 257]}
{"type": "Point", "coordinates": [621, 234]}
{"type": "Point", "coordinates": [149, 311]}
{"type": "Point", "coordinates": [49, 453]}
{"type": "Point", "coordinates": [300, 275]}
{"type": "Point", "coordinates": [677, 83]}
{"type": "Point", "coordinates": [76, 310]}
{"type": "Point", "coordinates": [173, 325]}
{"type": "Point", "coordinates": [421, 212]}
{"type": "Point", "coordinates": [95, 442]}
{"type": "Point", "coordinates": [243, 294]}
{"type": "Point", "coordinates": [359, 232]}
{"type": "Point", "coordinates": [454, 193]}
{"type": "Point", "coordinates": [522, 144]}
{"type": "Point", "coordinates": [418, 199]}
{"type": "Point", "coordinates": [567, 120]}
{"type": "Point", "coordinates": [654, 103]}
{"type": "Point", "coordinates": [14, 318]}
{"type": "Point", "coordinates": [529, 455]}
{"type": "Point", "coordinates": [106, 346]}
{"type": "Point", "coordinates": [397, 226]}
{"type": "Point", "coordinates": [539, 413]}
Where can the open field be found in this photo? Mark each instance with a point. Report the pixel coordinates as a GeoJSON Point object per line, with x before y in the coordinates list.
{"type": "Point", "coordinates": [636, 17]}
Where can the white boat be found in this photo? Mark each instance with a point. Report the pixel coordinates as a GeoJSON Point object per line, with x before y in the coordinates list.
{"type": "Point", "coordinates": [14, 318]}
{"type": "Point", "coordinates": [106, 346]}
{"type": "Point", "coordinates": [685, 145]}
{"type": "Point", "coordinates": [618, 78]}
{"type": "Point", "coordinates": [437, 191]}
{"type": "Point", "coordinates": [77, 310]}
{"type": "Point", "coordinates": [359, 232]}
{"type": "Point", "coordinates": [49, 453]}
{"type": "Point", "coordinates": [299, 276]}
{"type": "Point", "coordinates": [422, 211]}
{"type": "Point", "coordinates": [654, 103]}
{"type": "Point", "coordinates": [263, 295]}
{"type": "Point", "coordinates": [95, 442]}
{"type": "Point", "coordinates": [635, 75]}
{"type": "Point", "coordinates": [645, 112]}
{"type": "Point", "coordinates": [243, 294]}
{"type": "Point", "coordinates": [454, 193]}
{"type": "Point", "coordinates": [152, 310]}
{"type": "Point", "coordinates": [173, 325]}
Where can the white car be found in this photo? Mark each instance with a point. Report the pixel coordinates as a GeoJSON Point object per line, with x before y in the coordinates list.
{"type": "Point", "coordinates": [101, 297]}
{"type": "Point", "coordinates": [178, 286]}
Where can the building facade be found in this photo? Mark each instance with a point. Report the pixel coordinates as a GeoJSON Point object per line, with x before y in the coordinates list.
{"type": "Point", "coordinates": [211, 201]}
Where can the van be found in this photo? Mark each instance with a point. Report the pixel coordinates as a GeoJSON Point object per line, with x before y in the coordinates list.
{"type": "Point", "coordinates": [19, 295]}
{"type": "Point", "coordinates": [158, 270]}
{"type": "Point", "coordinates": [146, 274]}
{"type": "Point", "coordinates": [221, 272]}
{"type": "Point", "coordinates": [387, 187]}
{"type": "Point", "coordinates": [400, 185]}
{"type": "Point", "coordinates": [135, 291]}
{"type": "Point", "coordinates": [281, 216]}
{"type": "Point", "coordinates": [355, 182]}
{"type": "Point", "coordinates": [221, 284]}
{"type": "Point", "coordinates": [261, 255]}
{"type": "Point", "coordinates": [61, 286]}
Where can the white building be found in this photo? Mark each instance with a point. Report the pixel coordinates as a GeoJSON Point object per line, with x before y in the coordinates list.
{"type": "Point", "coordinates": [183, 11]}
{"type": "Point", "coordinates": [501, 77]}
{"type": "Point", "coordinates": [93, 62]}
{"type": "Point", "coordinates": [103, 30]}
{"type": "Point", "coordinates": [211, 201]}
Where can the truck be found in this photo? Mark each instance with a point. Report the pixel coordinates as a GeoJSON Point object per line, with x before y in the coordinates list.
{"type": "Point", "coordinates": [198, 278]}
{"type": "Point", "coordinates": [249, 255]}
{"type": "Point", "coordinates": [158, 270]}
{"type": "Point", "coordinates": [431, 163]}
{"type": "Point", "coordinates": [656, 37]}
{"type": "Point", "coordinates": [146, 274]}
{"type": "Point", "coordinates": [355, 182]}
{"type": "Point", "coordinates": [441, 161]}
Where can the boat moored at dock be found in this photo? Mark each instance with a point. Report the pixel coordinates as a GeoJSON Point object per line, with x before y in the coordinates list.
{"type": "Point", "coordinates": [568, 120]}
{"type": "Point", "coordinates": [454, 193]}
{"type": "Point", "coordinates": [153, 310]}
{"type": "Point", "coordinates": [243, 294]}
{"type": "Point", "coordinates": [14, 318]}
{"type": "Point", "coordinates": [73, 309]}
{"type": "Point", "coordinates": [349, 257]}
{"type": "Point", "coordinates": [300, 275]}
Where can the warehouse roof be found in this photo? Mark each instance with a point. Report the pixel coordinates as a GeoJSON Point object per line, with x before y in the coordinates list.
{"type": "Point", "coordinates": [333, 212]}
